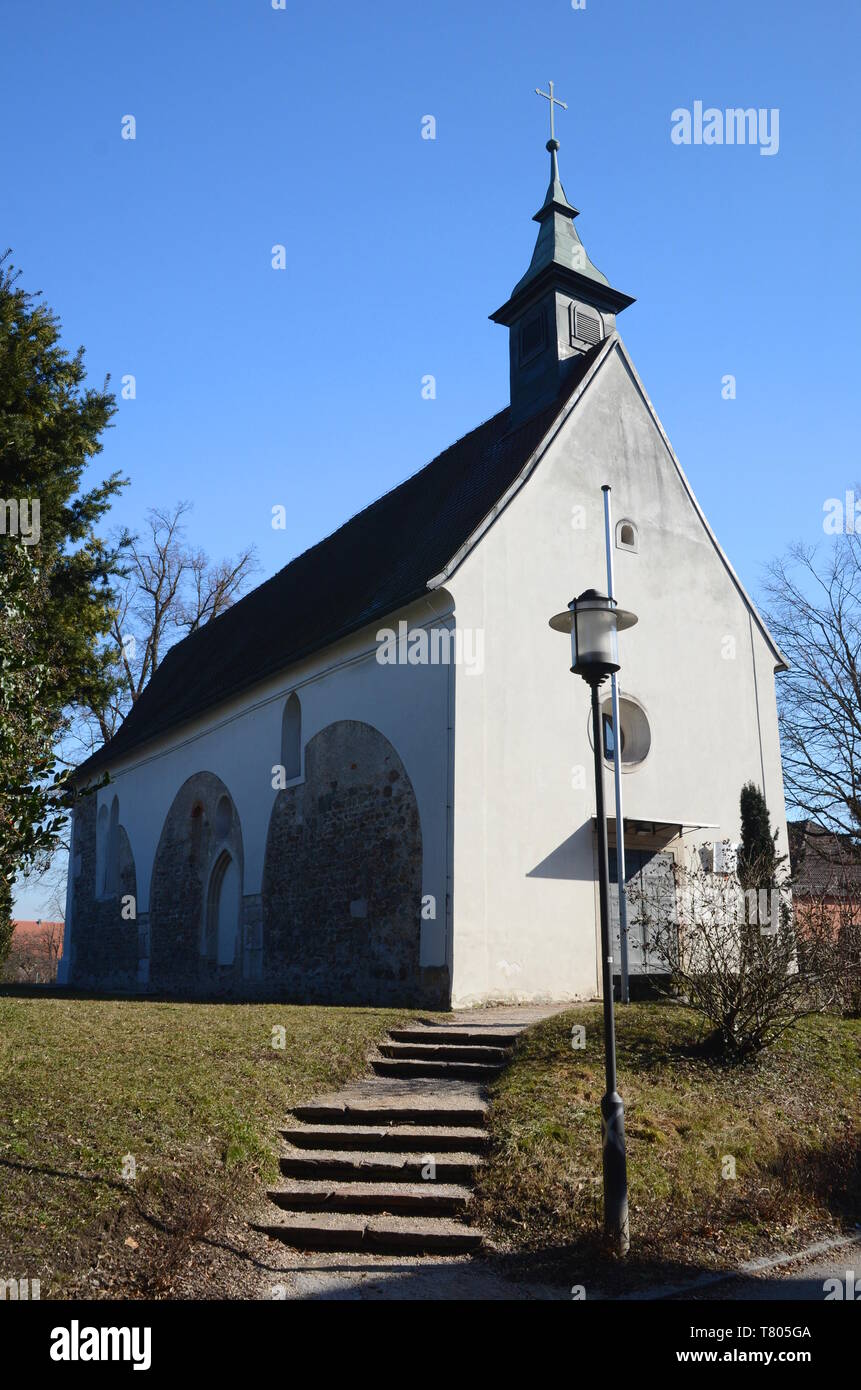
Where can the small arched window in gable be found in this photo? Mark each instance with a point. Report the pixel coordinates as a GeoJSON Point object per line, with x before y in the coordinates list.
{"type": "Point", "coordinates": [291, 738]}
{"type": "Point", "coordinates": [626, 535]}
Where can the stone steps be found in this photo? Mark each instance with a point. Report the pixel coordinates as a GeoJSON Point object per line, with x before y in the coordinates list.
{"type": "Point", "coordinates": [431, 1139]}
{"type": "Point", "coordinates": [425, 1198]}
{"type": "Point", "coordinates": [481, 1037]}
{"type": "Point", "coordinates": [405, 1113]}
{"type": "Point", "coordinates": [407, 1068]}
{"type": "Point", "coordinates": [378, 1167]}
{"type": "Point", "coordinates": [440, 1052]}
{"type": "Point", "coordinates": [382, 1234]}
{"type": "Point", "coordinates": [353, 1171]}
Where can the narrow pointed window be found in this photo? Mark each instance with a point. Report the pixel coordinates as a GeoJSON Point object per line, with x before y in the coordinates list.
{"type": "Point", "coordinates": [291, 738]}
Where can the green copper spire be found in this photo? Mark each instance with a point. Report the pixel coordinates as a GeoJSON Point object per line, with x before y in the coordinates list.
{"type": "Point", "coordinates": [558, 243]}
{"type": "Point", "coordinates": [562, 308]}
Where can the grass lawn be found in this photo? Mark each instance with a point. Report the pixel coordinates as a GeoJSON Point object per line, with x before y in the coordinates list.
{"type": "Point", "coordinates": [194, 1092]}
{"type": "Point", "coordinates": [790, 1123]}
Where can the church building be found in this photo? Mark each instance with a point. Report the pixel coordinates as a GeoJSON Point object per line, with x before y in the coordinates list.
{"type": "Point", "coordinates": [371, 780]}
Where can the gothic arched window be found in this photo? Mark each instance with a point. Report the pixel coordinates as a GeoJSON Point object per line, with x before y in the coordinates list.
{"type": "Point", "coordinates": [291, 738]}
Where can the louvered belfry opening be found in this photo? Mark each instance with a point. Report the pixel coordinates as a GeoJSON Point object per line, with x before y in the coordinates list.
{"type": "Point", "coordinates": [562, 290]}
{"type": "Point", "coordinates": [587, 325]}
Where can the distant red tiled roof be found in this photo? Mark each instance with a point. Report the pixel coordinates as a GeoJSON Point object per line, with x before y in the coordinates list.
{"type": "Point", "coordinates": [823, 864]}
{"type": "Point", "coordinates": [36, 933]}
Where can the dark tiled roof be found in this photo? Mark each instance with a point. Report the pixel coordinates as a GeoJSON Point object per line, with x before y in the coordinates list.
{"type": "Point", "coordinates": [823, 864]}
{"type": "Point", "coordinates": [375, 564]}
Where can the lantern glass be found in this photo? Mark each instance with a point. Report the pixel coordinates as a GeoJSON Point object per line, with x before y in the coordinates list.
{"type": "Point", "coordinates": [596, 631]}
{"type": "Point", "coordinates": [594, 622]}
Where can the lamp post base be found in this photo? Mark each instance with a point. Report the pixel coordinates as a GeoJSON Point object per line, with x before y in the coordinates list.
{"type": "Point", "coordinates": [615, 1172]}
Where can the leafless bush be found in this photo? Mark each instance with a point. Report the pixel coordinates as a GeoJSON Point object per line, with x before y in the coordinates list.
{"type": "Point", "coordinates": [731, 952]}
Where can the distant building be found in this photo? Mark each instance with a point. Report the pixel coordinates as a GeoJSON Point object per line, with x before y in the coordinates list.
{"type": "Point", "coordinates": [35, 951]}
{"type": "Point", "coordinates": [826, 877]}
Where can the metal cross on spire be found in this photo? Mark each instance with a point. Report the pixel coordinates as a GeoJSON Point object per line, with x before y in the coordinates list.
{"type": "Point", "coordinates": [554, 101]}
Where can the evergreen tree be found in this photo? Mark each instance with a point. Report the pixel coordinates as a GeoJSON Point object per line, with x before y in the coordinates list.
{"type": "Point", "coordinates": [56, 601]}
{"type": "Point", "coordinates": [758, 859]}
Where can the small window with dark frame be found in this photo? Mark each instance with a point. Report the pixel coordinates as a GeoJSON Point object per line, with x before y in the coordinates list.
{"type": "Point", "coordinates": [532, 337]}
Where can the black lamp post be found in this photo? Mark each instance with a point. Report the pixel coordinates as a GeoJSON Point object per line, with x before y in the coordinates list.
{"type": "Point", "coordinates": [594, 621]}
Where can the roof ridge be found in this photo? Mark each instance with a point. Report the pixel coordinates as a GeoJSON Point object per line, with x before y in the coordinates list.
{"type": "Point", "coordinates": [374, 563]}
{"type": "Point", "coordinates": [330, 536]}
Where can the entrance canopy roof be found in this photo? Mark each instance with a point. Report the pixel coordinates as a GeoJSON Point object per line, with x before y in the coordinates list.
{"type": "Point", "coordinates": [661, 829]}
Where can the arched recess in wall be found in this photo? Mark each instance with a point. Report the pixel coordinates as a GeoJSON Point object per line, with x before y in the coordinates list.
{"type": "Point", "coordinates": [201, 828]}
{"type": "Point", "coordinates": [291, 738]}
{"type": "Point", "coordinates": [342, 878]}
{"type": "Point", "coordinates": [223, 909]}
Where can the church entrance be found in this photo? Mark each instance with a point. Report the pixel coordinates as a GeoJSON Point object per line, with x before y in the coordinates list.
{"type": "Point", "coordinates": [650, 890]}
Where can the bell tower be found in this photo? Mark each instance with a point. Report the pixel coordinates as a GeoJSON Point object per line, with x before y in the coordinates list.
{"type": "Point", "coordinates": [563, 305]}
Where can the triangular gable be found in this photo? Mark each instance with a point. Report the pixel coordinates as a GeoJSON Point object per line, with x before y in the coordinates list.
{"type": "Point", "coordinates": [612, 344]}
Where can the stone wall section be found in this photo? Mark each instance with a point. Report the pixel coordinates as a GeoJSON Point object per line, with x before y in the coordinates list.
{"type": "Point", "coordinates": [342, 882]}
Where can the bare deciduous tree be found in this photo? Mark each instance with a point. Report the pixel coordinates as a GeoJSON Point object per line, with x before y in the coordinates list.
{"type": "Point", "coordinates": [815, 615]}
{"type": "Point", "coordinates": [168, 590]}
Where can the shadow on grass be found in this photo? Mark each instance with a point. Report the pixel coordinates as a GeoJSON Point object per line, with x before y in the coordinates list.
{"type": "Point", "coordinates": [588, 1263]}
{"type": "Point", "coordinates": [42, 1170]}
{"type": "Point", "coordinates": [176, 1208]}
{"type": "Point", "coordinates": [19, 990]}
{"type": "Point", "coordinates": [655, 1049]}
{"type": "Point", "coordinates": [830, 1174]}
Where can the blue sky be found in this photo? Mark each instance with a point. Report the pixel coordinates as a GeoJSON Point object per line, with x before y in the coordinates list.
{"type": "Point", "coordinates": [302, 126]}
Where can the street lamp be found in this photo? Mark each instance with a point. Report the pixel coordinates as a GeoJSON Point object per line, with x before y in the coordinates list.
{"type": "Point", "coordinates": [594, 621]}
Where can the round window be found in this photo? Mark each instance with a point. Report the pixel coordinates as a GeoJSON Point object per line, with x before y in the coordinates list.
{"type": "Point", "coordinates": [635, 736]}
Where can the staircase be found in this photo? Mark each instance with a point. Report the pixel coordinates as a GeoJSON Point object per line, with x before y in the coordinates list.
{"type": "Point", "coordinates": [388, 1165]}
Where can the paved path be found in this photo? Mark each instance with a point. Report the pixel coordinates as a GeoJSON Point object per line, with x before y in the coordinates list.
{"type": "Point", "coordinates": [803, 1279]}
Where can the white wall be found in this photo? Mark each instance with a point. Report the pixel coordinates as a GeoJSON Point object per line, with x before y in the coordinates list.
{"type": "Point", "coordinates": [524, 904]}
{"type": "Point", "coordinates": [240, 742]}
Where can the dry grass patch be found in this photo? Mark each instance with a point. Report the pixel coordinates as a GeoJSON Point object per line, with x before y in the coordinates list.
{"type": "Point", "coordinates": [789, 1123]}
{"type": "Point", "coordinates": [195, 1092]}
